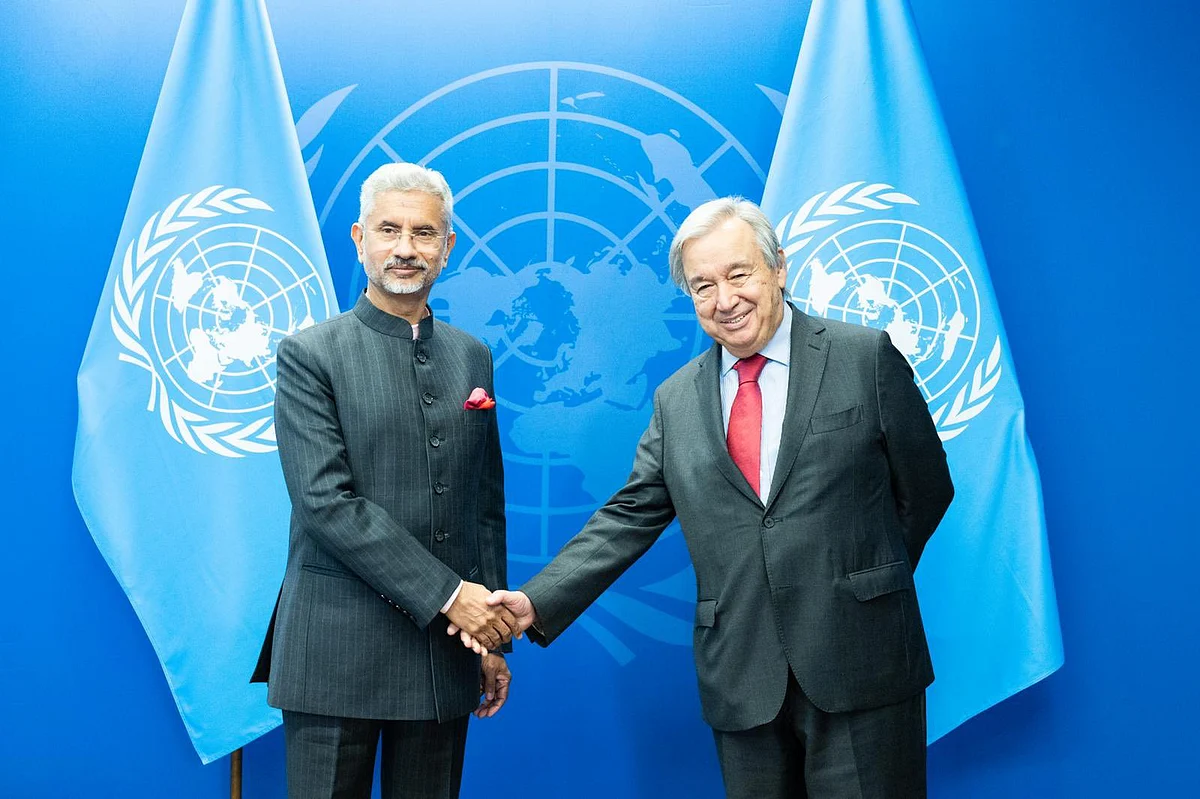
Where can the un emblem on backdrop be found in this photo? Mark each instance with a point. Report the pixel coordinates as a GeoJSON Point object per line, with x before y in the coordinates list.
{"type": "Point", "coordinates": [902, 278]}
{"type": "Point", "coordinates": [570, 180]}
{"type": "Point", "coordinates": [201, 303]}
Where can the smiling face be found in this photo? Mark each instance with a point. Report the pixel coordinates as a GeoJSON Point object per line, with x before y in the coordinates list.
{"type": "Point", "coordinates": [738, 297]}
{"type": "Point", "coordinates": [403, 247]}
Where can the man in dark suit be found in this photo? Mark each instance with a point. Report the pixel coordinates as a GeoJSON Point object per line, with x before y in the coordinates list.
{"type": "Point", "coordinates": [807, 476]}
{"type": "Point", "coordinates": [395, 477]}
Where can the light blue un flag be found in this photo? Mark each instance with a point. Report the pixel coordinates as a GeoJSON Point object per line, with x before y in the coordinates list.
{"type": "Point", "coordinates": [872, 214]}
{"type": "Point", "coordinates": [175, 467]}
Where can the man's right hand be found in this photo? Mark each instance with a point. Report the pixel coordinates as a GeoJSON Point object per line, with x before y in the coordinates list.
{"type": "Point", "coordinates": [516, 603]}
{"type": "Point", "coordinates": [488, 625]}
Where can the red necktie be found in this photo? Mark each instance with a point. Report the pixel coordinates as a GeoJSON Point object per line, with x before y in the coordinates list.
{"type": "Point", "coordinates": [744, 437]}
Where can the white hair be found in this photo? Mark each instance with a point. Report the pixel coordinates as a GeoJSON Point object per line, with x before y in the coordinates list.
{"type": "Point", "coordinates": [406, 177]}
{"type": "Point", "coordinates": [705, 218]}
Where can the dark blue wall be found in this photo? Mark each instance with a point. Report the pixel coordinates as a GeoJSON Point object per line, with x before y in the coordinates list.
{"type": "Point", "coordinates": [1075, 127]}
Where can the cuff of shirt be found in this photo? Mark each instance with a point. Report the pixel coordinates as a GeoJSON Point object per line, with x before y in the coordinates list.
{"type": "Point", "coordinates": [453, 597]}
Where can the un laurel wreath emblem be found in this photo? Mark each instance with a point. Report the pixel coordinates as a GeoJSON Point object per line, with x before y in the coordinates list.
{"type": "Point", "coordinates": [887, 273]}
{"type": "Point", "coordinates": [200, 303]}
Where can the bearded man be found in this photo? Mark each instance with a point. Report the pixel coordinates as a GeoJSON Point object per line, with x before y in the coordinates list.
{"type": "Point", "coordinates": [391, 454]}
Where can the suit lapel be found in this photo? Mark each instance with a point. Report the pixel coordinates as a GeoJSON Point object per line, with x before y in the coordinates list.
{"type": "Point", "coordinates": [708, 392]}
{"type": "Point", "coordinates": [810, 350]}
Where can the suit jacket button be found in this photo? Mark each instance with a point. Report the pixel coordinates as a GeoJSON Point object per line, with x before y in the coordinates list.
{"type": "Point", "coordinates": [769, 522]}
{"type": "Point", "coordinates": [427, 398]}
{"type": "Point", "coordinates": [438, 488]}
{"type": "Point", "coordinates": [421, 356]}
{"type": "Point", "coordinates": [440, 535]}
{"type": "Point", "coordinates": [434, 441]}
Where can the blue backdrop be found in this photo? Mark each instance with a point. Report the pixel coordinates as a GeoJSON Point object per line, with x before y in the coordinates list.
{"type": "Point", "coordinates": [1073, 126]}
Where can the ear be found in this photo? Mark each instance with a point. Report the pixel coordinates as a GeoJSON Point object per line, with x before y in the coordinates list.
{"type": "Point", "coordinates": [781, 272]}
{"type": "Point", "coordinates": [450, 239]}
{"type": "Point", "coordinates": [356, 233]}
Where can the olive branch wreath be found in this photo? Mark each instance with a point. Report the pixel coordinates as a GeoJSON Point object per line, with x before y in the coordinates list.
{"type": "Point", "coordinates": [230, 439]}
{"type": "Point", "coordinates": [796, 231]}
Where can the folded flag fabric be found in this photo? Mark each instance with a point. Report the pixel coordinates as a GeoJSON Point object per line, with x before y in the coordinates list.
{"type": "Point", "coordinates": [175, 469]}
{"type": "Point", "coordinates": [873, 217]}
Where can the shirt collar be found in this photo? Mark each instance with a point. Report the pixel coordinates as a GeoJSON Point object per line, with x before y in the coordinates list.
{"type": "Point", "coordinates": [778, 349]}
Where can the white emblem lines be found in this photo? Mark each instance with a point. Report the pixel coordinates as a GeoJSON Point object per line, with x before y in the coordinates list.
{"type": "Point", "coordinates": [570, 179]}
{"type": "Point", "coordinates": [901, 277]}
{"type": "Point", "coordinates": [204, 320]}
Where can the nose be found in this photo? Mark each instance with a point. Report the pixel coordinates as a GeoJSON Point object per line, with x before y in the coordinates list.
{"type": "Point", "coordinates": [727, 296]}
{"type": "Point", "coordinates": [403, 247]}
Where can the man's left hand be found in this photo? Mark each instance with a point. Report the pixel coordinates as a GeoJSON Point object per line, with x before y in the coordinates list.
{"type": "Point", "coordinates": [494, 679]}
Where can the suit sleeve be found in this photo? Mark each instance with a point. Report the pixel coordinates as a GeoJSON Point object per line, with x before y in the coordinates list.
{"type": "Point", "coordinates": [617, 535]}
{"type": "Point", "coordinates": [920, 477]}
{"type": "Point", "coordinates": [353, 529]}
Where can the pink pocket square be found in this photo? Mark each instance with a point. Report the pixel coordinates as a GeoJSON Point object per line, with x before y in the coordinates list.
{"type": "Point", "coordinates": [479, 401]}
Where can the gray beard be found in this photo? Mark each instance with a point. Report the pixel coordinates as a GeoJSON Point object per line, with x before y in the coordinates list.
{"type": "Point", "coordinates": [397, 287]}
{"type": "Point", "coordinates": [394, 287]}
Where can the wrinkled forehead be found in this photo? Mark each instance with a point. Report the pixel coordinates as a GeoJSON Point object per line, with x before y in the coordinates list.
{"type": "Point", "coordinates": [728, 246]}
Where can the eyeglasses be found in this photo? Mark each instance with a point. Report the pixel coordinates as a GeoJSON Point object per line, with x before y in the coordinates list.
{"type": "Point", "coordinates": [423, 239]}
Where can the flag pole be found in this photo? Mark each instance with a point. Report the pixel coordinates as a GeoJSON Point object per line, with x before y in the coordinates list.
{"type": "Point", "coordinates": [235, 774]}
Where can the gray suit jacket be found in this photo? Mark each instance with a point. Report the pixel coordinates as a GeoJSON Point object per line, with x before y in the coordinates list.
{"type": "Point", "coordinates": [397, 492]}
{"type": "Point", "coordinates": [819, 578]}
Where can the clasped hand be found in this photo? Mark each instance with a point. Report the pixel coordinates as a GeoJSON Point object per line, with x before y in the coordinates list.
{"type": "Point", "coordinates": [488, 625]}
{"type": "Point", "coordinates": [512, 605]}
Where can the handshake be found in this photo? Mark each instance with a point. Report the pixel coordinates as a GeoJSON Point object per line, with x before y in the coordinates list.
{"type": "Point", "coordinates": [485, 619]}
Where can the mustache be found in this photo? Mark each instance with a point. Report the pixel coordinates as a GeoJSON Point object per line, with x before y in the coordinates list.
{"type": "Point", "coordinates": [416, 262]}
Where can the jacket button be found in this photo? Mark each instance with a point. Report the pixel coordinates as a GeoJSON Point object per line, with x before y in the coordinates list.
{"type": "Point", "coordinates": [438, 488]}
{"type": "Point", "coordinates": [434, 441]}
{"type": "Point", "coordinates": [427, 398]}
{"type": "Point", "coordinates": [422, 357]}
{"type": "Point", "coordinates": [440, 535]}
{"type": "Point", "coordinates": [769, 522]}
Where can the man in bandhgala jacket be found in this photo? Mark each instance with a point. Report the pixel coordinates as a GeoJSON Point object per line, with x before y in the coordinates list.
{"type": "Point", "coordinates": [391, 454]}
{"type": "Point", "coordinates": [807, 476]}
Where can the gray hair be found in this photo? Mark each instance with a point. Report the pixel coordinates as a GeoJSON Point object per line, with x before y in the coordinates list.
{"type": "Point", "coordinates": [406, 177]}
{"type": "Point", "coordinates": [708, 217]}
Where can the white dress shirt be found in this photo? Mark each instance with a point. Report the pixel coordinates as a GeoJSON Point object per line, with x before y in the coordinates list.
{"type": "Point", "coordinates": [773, 383]}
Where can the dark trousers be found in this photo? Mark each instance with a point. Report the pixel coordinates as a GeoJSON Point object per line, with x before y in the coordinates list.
{"type": "Point", "coordinates": [334, 758]}
{"type": "Point", "coordinates": [806, 752]}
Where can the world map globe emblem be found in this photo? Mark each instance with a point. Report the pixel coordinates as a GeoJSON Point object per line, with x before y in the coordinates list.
{"type": "Point", "coordinates": [902, 278]}
{"type": "Point", "coordinates": [219, 308]}
{"type": "Point", "coordinates": [201, 305]}
{"type": "Point", "coordinates": [570, 180]}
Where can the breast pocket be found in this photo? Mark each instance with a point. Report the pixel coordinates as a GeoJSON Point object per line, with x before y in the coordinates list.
{"type": "Point", "coordinates": [475, 427]}
{"type": "Point", "coordinates": [829, 422]}
{"type": "Point", "coordinates": [477, 417]}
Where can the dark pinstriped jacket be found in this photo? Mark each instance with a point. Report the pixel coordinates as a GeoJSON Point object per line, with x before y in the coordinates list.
{"type": "Point", "coordinates": [397, 492]}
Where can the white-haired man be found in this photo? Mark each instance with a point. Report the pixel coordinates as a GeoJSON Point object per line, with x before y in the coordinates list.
{"type": "Point", "coordinates": [391, 454]}
{"type": "Point", "coordinates": [807, 476]}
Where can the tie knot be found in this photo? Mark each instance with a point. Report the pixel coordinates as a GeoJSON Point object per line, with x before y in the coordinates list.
{"type": "Point", "coordinates": [749, 369]}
